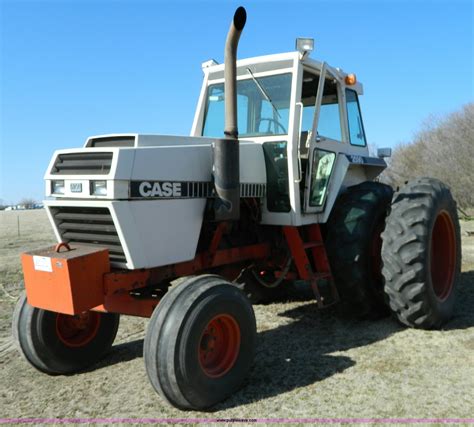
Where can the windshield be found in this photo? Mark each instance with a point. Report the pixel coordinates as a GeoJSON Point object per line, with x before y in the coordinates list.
{"type": "Point", "coordinates": [263, 106]}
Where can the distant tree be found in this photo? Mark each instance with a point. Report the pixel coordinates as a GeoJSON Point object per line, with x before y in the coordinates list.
{"type": "Point", "coordinates": [28, 203]}
{"type": "Point", "coordinates": [443, 149]}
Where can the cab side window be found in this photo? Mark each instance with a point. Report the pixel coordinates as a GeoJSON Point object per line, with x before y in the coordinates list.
{"type": "Point", "coordinates": [354, 118]}
{"type": "Point", "coordinates": [329, 124]}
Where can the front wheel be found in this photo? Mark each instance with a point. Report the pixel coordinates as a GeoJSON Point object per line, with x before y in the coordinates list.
{"type": "Point", "coordinates": [200, 342]}
{"type": "Point", "coordinates": [57, 343]}
{"type": "Point", "coordinates": [421, 254]}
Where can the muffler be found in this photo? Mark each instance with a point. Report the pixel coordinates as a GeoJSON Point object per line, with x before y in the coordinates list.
{"type": "Point", "coordinates": [226, 150]}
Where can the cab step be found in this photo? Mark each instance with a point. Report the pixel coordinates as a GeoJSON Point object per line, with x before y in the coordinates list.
{"type": "Point", "coordinates": [312, 262]}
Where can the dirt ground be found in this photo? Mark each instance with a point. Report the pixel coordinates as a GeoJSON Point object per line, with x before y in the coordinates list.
{"type": "Point", "coordinates": [308, 364]}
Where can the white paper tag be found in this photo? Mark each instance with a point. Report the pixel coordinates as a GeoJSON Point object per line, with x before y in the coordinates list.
{"type": "Point", "coordinates": [42, 263]}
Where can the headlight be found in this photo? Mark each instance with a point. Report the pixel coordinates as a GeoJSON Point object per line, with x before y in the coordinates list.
{"type": "Point", "coordinates": [57, 187]}
{"type": "Point", "coordinates": [99, 188]}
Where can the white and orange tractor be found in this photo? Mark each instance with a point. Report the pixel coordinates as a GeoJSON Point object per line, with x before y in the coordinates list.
{"type": "Point", "coordinates": [275, 184]}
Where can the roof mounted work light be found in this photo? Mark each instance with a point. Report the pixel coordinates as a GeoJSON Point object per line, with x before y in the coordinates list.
{"type": "Point", "coordinates": [304, 46]}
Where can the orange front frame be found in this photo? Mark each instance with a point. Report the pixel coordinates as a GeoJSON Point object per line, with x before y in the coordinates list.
{"type": "Point", "coordinates": [110, 290]}
{"type": "Point", "coordinates": [118, 284]}
{"type": "Point", "coordinates": [77, 283]}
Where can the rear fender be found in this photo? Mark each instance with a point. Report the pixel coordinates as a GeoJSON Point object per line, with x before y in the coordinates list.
{"type": "Point", "coordinates": [350, 170]}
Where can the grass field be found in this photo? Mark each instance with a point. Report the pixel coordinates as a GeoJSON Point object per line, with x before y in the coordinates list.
{"type": "Point", "coordinates": [309, 363]}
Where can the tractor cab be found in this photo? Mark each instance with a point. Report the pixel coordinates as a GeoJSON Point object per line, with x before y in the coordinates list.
{"type": "Point", "coordinates": [307, 118]}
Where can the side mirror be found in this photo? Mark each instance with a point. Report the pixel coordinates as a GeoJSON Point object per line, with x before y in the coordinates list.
{"type": "Point", "coordinates": [384, 152]}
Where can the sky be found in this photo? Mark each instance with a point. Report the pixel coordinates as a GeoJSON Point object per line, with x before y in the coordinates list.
{"type": "Point", "coordinates": [74, 68]}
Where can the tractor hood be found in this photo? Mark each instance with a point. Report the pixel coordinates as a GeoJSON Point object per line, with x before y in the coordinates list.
{"type": "Point", "coordinates": [129, 193]}
{"type": "Point", "coordinates": [130, 166]}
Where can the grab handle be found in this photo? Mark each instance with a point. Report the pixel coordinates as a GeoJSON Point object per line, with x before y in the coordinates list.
{"type": "Point", "coordinates": [62, 245]}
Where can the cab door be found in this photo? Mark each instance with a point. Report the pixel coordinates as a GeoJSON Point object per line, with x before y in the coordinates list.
{"type": "Point", "coordinates": [324, 141]}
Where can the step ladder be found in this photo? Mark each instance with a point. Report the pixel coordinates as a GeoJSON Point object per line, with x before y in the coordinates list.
{"type": "Point", "coordinates": [306, 244]}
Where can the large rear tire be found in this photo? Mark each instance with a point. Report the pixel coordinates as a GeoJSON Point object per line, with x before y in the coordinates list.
{"type": "Point", "coordinates": [353, 245]}
{"type": "Point", "coordinates": [57, 343]}
{"type": "Point", "coordinates": [421, 254]}
{"type": "Point", "coordinates": [200, 342]}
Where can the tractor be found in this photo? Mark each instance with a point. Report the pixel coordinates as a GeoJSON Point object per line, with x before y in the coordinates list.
{"type": "Point", "coordinates": [275, 184]}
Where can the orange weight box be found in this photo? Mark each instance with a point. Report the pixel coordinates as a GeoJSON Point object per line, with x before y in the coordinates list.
{"type": "Point", "coordinates": [68, 282]}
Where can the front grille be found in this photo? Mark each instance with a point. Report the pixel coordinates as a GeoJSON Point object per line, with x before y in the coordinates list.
{"type": "Point", "coordinates": [93, 226]}
{"type": "Point", "coordinates": [82, 164]}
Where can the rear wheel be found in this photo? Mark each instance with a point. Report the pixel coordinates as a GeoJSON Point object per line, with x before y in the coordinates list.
{"type": "Point", "coordinates": [200, 342]}
{"type": "Point", "coordinates": [354, 244]}
{"type": "Point", "coordinates": [421, 254]}
{"type": "Point", "coordinates": [57, 343]}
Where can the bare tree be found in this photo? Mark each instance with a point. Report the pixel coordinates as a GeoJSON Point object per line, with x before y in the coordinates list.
{"type": "Point", "coordinates": [443, 149]}
{"type": "Point", "coordinates": [28, 203]}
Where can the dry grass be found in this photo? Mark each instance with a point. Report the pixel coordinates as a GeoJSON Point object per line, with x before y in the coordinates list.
{"type": "Point", "coordinates": [308, 364]}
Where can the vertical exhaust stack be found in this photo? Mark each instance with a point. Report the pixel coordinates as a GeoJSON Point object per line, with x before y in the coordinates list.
{"type": "Point", "coordinates": [226, 150]}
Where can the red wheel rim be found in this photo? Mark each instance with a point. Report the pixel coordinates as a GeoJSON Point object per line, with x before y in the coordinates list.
{"type": "Point", "coordinates": [78, 330]}
{"type": "Point", "coordinates": [443, 255]}
{"type": "Point", "coordinates": [219, 345]}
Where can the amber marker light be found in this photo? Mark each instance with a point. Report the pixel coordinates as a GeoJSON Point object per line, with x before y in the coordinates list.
{"type": "Point", "coordinates": [351, 79]}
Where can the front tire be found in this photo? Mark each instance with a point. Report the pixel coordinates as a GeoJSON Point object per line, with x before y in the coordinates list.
{"type": "Point", "coordinates": [421, 254]}
{"type": "Point", "coordinates": [200, 342]}
{"type": "Point", "coordinates": [56, 343]}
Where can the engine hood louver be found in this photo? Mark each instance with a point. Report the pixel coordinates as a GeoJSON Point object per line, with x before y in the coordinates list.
{"type": "Point", "coordinates": [112, 141]}
{"type": "Point", "coordinates": [82, 164]}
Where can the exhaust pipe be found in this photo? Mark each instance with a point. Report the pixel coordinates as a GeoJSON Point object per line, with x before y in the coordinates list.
{"type": "Point", "coordinates": [226, 150]}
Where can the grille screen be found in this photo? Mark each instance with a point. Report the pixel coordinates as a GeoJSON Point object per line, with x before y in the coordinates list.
{"type": "Point", "coordinates": [93, 226]}
{"type": "Point", "coordinates": [82, 164]}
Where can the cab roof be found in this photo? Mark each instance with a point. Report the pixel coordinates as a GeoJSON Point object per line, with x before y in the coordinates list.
{"type": "Point", "coordinates": [281, 62]}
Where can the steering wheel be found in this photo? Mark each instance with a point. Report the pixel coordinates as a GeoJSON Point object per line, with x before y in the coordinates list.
{"type": "Point", "coordinates": [276, 123]}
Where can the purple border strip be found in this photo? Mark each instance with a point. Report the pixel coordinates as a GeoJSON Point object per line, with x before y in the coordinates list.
{"type": "Point", "coordinates": [236, 420]}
